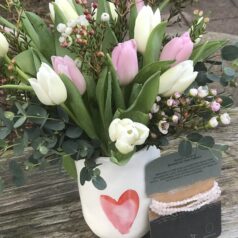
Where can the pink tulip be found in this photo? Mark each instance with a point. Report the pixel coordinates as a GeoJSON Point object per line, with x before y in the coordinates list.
{"type": "Point", "coordinates": [139, 4]}
{"type": "Point", "coordinates": [65, 65]}
{"type": "Point", "coordinates": [178, 49]}
{"type": "Point", "coordinates": [124, 58]}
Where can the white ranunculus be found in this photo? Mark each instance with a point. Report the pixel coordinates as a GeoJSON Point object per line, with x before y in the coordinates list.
{"type": "Point", "coordinates": [127, 134]}
{"type": "Point", "coordinates": [225, 119]}
{"type": "Point", "coordinates": [4, 46]}
{"type": "Point", "coordinates": [48, 87]}
{"type": "Point", "coordinates": [177, 78]}
{"type": "Point", "coordinates": [66, 7]}
{"type": "Point", "coordinates": [146, 21]}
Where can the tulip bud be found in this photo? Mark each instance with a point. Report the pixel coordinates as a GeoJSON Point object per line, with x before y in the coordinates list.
{"type": "Point", "coordinates": [177, 79]}
{"type": "Point", "coordinates": [65, 65]}
{"type": "Point", "coordinates": [124, 58]}
{"type": "Point", "coordinates": [178, 49]}
{"type": "Point", "coordinates": [146, 21]}
{"type": "Point", "coordinates": [105, 17]}
{"type": "Point", "coordinates": [66, 8]}
{"type": "Point", "coordinates": [48, 86]}
{"type": "Point", "coordinates": [113, 12]}
{"type": "Point", "coordinates": [213, 123]}
{"type": "Point", "coordinates": [127, 134]}
{"type": "Point", "coordinates": [225, 119]}
{"type": "Point", "coordinates": [4, 46]}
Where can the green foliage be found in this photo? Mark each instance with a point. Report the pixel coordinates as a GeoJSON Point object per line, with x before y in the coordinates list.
{"type": "Point", "coordinates": [69, 166]}
{"type": "Point", "coordinates": [154, 44]}
{"type": "Point", "coordinates": [132, 19]}
{"type": "Point", "coordinates": [17, 173]}
{"type": "Point", "coordinates": [230, 52]}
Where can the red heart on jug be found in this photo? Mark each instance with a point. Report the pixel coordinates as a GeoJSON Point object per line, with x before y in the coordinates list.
{"type": "Point", "coordinates": [121, 213]}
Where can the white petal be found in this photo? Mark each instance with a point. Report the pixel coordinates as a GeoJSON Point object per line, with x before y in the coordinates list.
{"type": "Point", "coordinates": [143, 27]}
{"type": "Point", "coordinates": [143, 133]}
{"type": "Point", "coordinates": [156, 19]}
{"type": "Point", "coordinates": [113, 130]}
{"type": "Point", "coordinates": [124, 147]}
{"type": "Point", "coordinates": [182, 84]}
{"type": "Point", "coordinates": [40, 93]}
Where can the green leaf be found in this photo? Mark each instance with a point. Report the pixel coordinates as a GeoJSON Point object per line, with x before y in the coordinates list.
{"type": "Point", "coordinates": [76, 105]}
{"type": "Point", "coordinates": [73, 132]}
{"type": "Point", "coordinates": [25, 62]}
{"type": "Point", "coordinates": [4, 132]}
{"type": "Point", "coordinates": [194, 137]}
{"type": "Point", "coordinates": [185, 148]}
{"type": "Point", "coordinates": [6, 23]}
{"type": "Point", "coordinates": [17, 173]}
{"type": "Point", "coordinates": [102, 7]}
{"type": "Point", "coordinates": [99, 183]}
{"type": "Point", "coordinates": [85, 175]}
{"type": "Point", "coordinates": [152, 52]}
{"type": "Point", "coordinates": [70, 146]}
{"type": "Point", "coordinates": [69, 166]}
{"type": "Point", "coordinates": [221, 147]}
{"type": "Point", "coordinates": [78, 7]}
{"type": "Point", "coordinates": [147, 96]}
{"type": "Point", "coordinates": [108, 106]}
{"type": "Point", "coordinates": [229, 52]}
{"type": "Point", "coordinates": [118, 97]}
{"type": "Point", "coordinates": [132, 19]}
{"type": "Point", "coordinates": [205, 50]}
{"type": "Point", "coordinates": [55, 125]}
{"type": "Point", "coordinates": [20, 122]}
{"type": "Point", "coordinates": [205, 142]}
{"type": "Point", "coordinates": [120, 159]}
{"type": "Point", "coordinates": [226, 101]}
{"type": "Point", "coordinates": [135, 92]}
{"type": "Point", "coordinates": [37, 114]}
{"type": "Point", "coordinates": [146, 72]}
{"type": "Point", "coordinates": [110, 39]}
{"type": "Point", "coordinates": [135, 116]}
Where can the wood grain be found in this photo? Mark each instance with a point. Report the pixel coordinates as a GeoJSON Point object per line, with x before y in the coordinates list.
{"type": "Point", "coordinates": [48, 205]}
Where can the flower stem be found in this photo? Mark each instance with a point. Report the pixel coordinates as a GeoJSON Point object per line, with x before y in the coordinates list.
{"type": "Point", "coordinates": [163, 4]}
{"type": "Point", "coordinates": [17, 87]}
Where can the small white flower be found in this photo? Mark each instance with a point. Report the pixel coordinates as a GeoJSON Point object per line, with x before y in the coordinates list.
{"type": "Point", "coordinates": [213, 123]}
{"type": "Point", "coordinates": [81, 20]}
{"type": "Point", "coordinates": [213, 92]}
{"type": "Point", "coordinates": [155, 108]}
{"type": "Point", "coordinates": [61, 27]}
{"type": "Point", "coordinates": [105, 17]}
{"type": "Point", "coordinates": [158, 99]}
{"type": "Point", "coordinates": [68, 30]}
{"type": "Point", "coordinates": [62, 39]}
{"type": "Point", "coordinates": [72, 23]}
{"type": "Point", "coordinates": [203, 91]}
{"type": "Point", "coordinates": [170, 102]}
{"type": "Point", "coordinates": [193, 92]}
{"type": "Point", "coordinates": [225, 119]}
{"type": "Point", "coordinates": [175, 119]}
{"type": "Point", "coordinates": [127, 134]}
{"type": "Point", "coordinates": [163, 127]}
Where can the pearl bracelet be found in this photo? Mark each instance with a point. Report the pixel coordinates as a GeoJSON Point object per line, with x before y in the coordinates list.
{"type": "Point", "coordinates": [187, 205]}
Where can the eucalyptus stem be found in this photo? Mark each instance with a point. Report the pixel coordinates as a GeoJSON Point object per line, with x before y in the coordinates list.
{"type": "Point", "coordinates": [24, 76]}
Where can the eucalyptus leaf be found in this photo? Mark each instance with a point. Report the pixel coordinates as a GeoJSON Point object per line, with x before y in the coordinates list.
{"type": "Point", "coordinates": [132, 19]}
{"type": "Point", "coordinates": [99, 183]}
{"type": "Point", "coordinates": [206, 142]}
{"type": "Point", "coordinates": [55, 125]}
{"type": "Point", "coordinates": [85, 175]}
{"type": "Point", "coordinates": [226, 101]}
{"type": "Point", "coordinates": [4, 132]}
{"type": "Point", "coordinates": [194, 137]}
{"type": "Point", "coordinates": [73, 132]}
{"type": "Point", "coordinates": [69, 166]}
{"type": "Point", "coordinates": [20, 122]}
{"type": "Point", "coordinates": [229, 52]}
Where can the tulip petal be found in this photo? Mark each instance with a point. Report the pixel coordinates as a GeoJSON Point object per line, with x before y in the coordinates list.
{"type": "Point", "coordinates": [40, 93]}
{"type": "Point", "coordinates": [156, 19]}
{"type": "Point", "coordinates": [182, 84]}
{"type": "Point", "coordinates": [143, 133]}
{"type": "Point", "coordinates": [124, 147]}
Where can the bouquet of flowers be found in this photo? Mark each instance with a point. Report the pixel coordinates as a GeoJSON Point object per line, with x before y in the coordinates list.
{"type": "Point", "coordinates": [105, 80]}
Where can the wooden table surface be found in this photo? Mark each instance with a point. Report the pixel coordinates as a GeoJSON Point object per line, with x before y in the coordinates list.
{"type": "Point", "coordinates": [48, 205]}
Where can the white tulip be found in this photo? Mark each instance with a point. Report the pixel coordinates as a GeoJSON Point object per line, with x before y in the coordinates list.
{"type": "Point", "coordinates": [177, 79]}
{"type": "Point", "coordinates": [146, 21]}
{"type": "Point", "coordinates": [225, 119]}
{"type": "Point", "coordinates": [213, 123]}
{"type": "Point", "coordinates": [48, 86]}
{"type": "Point", "coordinates": [127, 134]}
{"type": "Point", "coordinates": [66, 7]}
{"type": "Point", "coordinates": [4, 46]}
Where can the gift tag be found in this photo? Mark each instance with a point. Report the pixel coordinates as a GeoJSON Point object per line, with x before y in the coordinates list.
{"type": "Point", "coordinates": [174, 171]}
{"type": "Point", "coordinates": [203, 223]}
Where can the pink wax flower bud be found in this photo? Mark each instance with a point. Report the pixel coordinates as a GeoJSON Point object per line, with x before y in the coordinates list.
{"type": "Point", "coordinates": [215, 106]}
{"type": "Point", "coordinates": [124, 58]}
{"type": "Point", "coordinates": [66, 65]}
{"type": "Point", "coordinates": [178, 49]}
